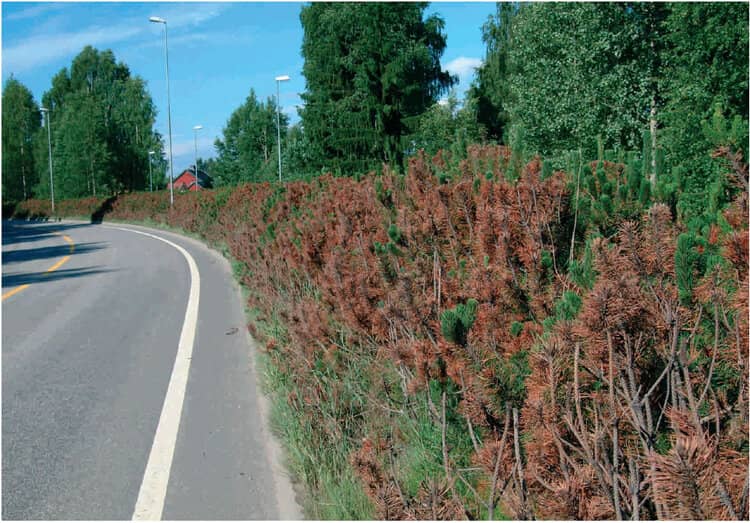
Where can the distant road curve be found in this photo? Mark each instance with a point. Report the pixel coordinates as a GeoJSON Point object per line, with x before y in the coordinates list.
{"type": "Point", "coordinates": [128, 382]}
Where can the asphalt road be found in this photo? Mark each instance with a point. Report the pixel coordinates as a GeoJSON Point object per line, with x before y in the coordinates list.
{"type": "Point", "coordinates": [91, 320]}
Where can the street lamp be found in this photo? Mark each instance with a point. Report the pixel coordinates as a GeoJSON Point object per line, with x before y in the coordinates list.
{"type": "Point", "coordinates": [195, 134]}
{"type": "Point", "coordinates": [279, 79]}
{"type": "Point", "coordinates": [157, 20]}
{"type": "Point", "coordinates": [150, 179]}
{"type": "Point", "coordinates": [49, 143]}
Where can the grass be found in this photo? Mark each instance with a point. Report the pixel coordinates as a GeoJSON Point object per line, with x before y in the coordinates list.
{"type": "Point", "coordinates": [318, 454]}
{"type": "Point", "coordinates": [332, 490]}
{"type": "Point", "coordinates": [317, 458]}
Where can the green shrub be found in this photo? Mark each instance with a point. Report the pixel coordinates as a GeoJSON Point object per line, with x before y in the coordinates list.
{"type": "Point", "coordinates": [455, 323]}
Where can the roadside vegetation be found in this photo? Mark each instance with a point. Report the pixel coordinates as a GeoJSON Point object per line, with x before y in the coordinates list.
{"type": "Point", "coordinates": [531, 304]}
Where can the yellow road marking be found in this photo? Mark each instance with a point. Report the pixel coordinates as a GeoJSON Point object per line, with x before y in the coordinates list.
{"type": "Point", "coordinates": [53, 268]}
{"type": "Point", "coordinates": [70, 242]}
{"type": "Point", "coordinates": [58, 264]}
{"type": "Point", "coordinates": [14, 291]}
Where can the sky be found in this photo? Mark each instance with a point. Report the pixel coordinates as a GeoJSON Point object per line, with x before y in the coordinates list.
{"type": "Point", "coordinates": [218, 51]}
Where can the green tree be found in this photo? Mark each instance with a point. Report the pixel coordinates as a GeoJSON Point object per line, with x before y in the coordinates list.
{"type": "Point", "coordinates": [490, 89]}
{"type": "Point", "coordinates": [102, 127]}
{"type": "Point", "coordinates": [577, 72]}
{"type": "Point", "coordinates": [248, 150]}
{"type": "Point", "coordinates": [82, 151]}
{"type": "Point", "coordinates": [299, 154]}
{"type": "Point", "coordinates": [447, 125]}
{"type": "Point", "coordinates": [131, 137]}
{"type": "Point", "coordinates": [705, 72]}
{"type": "Point", "coordinates": [370, 69]}
{"type": "Point", "coordinates": [21, 120]}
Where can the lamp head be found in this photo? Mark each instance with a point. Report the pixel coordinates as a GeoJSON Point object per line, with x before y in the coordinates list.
{"type": "Point", "coordinates": [282, 78]}
{"type": "Point", "coordinates": [157, 20]}
{"type": "Point", "coordinates": [197, 128]}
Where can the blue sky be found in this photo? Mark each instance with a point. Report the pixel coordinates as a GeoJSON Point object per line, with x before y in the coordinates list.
{"type": "Point", "coordinates": [217, 53]}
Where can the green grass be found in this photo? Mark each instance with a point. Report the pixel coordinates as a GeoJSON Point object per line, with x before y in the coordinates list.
{"type": "Point", "coordinates": [318, 450]}
{"type": "Point", "coordinates": [332, 490]}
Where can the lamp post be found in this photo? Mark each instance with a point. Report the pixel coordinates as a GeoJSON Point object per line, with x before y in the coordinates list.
{"type": "Point", "coordinates": [150, 179]}
{"type": "Point", "coordinates": [195, 134]}
{"type": "Point", "coordinates": [49, 143]}
{"type": "Point", "coordinates": [279, 79]}
{"type": "Point", "coordinates": [157, 20]}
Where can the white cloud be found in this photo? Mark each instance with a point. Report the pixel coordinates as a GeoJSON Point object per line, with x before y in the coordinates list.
{"type": "Point", "coordinates": [185, 39]}
{"type": "Point", "coordinates": [41, 49]}
{"type": "Point", "coordinates": [463, 66]}
{"type": "Point", "coordinates": [33, 11]}
{"type": "Point", "coordinates": [184, 151]}
{"type": "Point", "coordinates": [191, 14]}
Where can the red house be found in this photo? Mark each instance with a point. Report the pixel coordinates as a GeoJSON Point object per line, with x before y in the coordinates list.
{"type": "Point", "coordinates": [186, 180]}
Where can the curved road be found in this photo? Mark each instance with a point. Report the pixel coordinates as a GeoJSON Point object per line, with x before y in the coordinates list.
{"type": "Point", "coordinates": [92, 316]}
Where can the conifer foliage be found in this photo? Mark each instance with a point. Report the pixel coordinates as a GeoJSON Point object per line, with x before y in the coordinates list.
{"type": "Point", "coordinates": [371, 69]}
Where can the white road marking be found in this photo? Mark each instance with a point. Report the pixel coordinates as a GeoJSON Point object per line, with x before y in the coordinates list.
{"type": "Point", "coordinates": [153, 491]}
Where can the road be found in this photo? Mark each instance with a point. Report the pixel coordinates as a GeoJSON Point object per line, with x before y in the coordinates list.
{"type": "Point", "coordinates": [92, 318]}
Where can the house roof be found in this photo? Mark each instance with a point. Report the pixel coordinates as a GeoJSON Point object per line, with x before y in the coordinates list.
{"type": "Point", "coordinates": [204, 180]}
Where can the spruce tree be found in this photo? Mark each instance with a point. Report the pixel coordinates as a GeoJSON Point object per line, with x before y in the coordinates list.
{"type": "Point", "coordinates": [370, 69]}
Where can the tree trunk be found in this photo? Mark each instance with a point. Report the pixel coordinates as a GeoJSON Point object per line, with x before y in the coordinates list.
{"type": "Point", "coordinates": [652, 127]}
{"type": "Point", "coordinates": [653, 14]}
{"type": "Point", "coordinates": [93, 179]}
{"type": "Point", "coordinates": [575, 215]}
{"type": "Point", "coordinates": [23, 174]}
{"type": "Point", "coordinates": [265, 145]}
{"type": "Point", "coordinates": [525, 513]}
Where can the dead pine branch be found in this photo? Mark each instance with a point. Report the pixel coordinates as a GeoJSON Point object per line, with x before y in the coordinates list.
{"type": "Point", "coordinates": [498, 460]}
{"type": "Point", "coordinates": [524, 512]}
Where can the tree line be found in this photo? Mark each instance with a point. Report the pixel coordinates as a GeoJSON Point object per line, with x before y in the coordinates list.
{"type": "Point", "coordinates": [622, 80]}
{"type": "Point", "coordinates": [101, 130]}
{"type": "Point", "coordinates": [599, 79]}
{"type": "Point", "coordinates": [611, 78]}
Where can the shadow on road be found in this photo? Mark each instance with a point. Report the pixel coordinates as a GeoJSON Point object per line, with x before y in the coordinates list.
{"type": "Point", "coordinates": [16, 279]}
{"type": "Point", "coordinates": [21, 234]}
{"type": "Point", "coordinates": [19, 231]}
{"type": "Point", "coordinates": [57, 251]}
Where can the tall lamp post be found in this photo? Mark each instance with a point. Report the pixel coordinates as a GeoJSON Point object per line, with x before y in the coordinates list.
{"type": "Point", "coordinates": [150, 179]}
{"type": "Point", "coordinates": [157, 20]}
{"type": "Point", "coordinates": [195, 134]}
{"type": "Point", "coordinates": [279, 79]}
{"type": "Point", "coordinates": [49, 143]}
